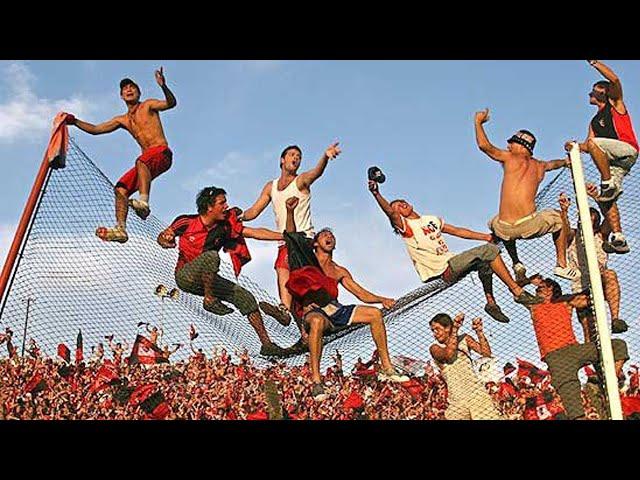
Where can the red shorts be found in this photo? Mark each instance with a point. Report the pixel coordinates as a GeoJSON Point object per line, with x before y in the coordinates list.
{"type": "Point", "coordinates": [283, 258]}
{"type": "Point", "coordinates": [157, 159]}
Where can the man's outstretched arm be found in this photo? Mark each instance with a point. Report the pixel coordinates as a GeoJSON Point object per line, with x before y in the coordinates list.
{"type": "Point", "coordinates": [483, 141]}
{"type": "Point", "coordinates": [362, 293]}
{"type": "Point", "coordinates": [169, 98]}
{"type": "Point", "coordinates": [307, 178]}
{"type": "Point", "coordinates": [261, 234]}
{"type": "Point", "coordinates": [261, 203]}
{"type": "Point", "coordinates": [615, 90]}
{"type": "Point", "coordinates": [105, 127]}
{"type": "Point", "coordinates": [374, 188]}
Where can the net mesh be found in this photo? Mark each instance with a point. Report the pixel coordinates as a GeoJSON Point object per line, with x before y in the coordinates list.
{"type": "Point", "coordinates": [76, 282]}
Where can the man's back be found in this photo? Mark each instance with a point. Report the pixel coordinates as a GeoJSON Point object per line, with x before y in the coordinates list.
{"type": "Point", "coordinates": [522, 177]}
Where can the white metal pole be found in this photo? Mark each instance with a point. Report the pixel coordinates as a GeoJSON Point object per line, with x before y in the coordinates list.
{"type": "Point", "coordinates": [595, 280]}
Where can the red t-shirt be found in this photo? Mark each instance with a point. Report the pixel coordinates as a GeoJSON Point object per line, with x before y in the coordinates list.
{"type": "Point", "coordinates": [196, 238]}
{"type": "Point", "coordinates": [552, 324]}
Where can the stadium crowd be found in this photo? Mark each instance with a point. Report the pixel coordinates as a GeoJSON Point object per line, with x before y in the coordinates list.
{"type": "Point", "coordinates": [221, 388]}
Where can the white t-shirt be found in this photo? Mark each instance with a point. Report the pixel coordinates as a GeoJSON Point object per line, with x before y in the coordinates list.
{"type": "Point", "coordinates": [427, 249]}
{"type": "Point", "coordinates": [302, 213]}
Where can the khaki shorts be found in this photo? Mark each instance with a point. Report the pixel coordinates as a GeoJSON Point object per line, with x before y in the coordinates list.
{"type": "Point", "coordinates": [622, 157]}
{"type": "Point", "coordinates": [535, 225]}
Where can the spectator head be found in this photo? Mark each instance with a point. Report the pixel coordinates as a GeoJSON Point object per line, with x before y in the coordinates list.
{"type": "Point", "coordinates": [549, 289]}
{"type": "Point", "coordinates": [324, 240]}
{"type": "Point", "coordinates": [212, 201]}
{"type": "Point", "coordinates": [402, 208]}
{"type": "Point", "coordinates": [441, 325]}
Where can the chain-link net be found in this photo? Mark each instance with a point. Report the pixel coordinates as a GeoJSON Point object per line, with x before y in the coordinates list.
{"type": "Point", "coordinates": [76, 282]}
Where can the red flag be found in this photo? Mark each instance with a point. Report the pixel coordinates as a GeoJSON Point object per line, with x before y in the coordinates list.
{"type": "Point", "coordinates": [630, 405]}
{"type": "Point", "coordinates": [589, 372]}
{"type": "Point", "coordinates": [526, 369]}
{"type": "Point", "coordinates": [79, 352]}
{"type": "Point", "coordinates": [236, 247]}
{"type": "Point", "coordinates": [35, 384]}
{"type": "Point", "coordinates": [414, 387]}
{"type": "Point", "coordinates": [140, 394]}
{"type": "Point", "coordinates": [507, 390]}
{"type": "Point", "coordinates": [353, 401]}
{"type": "Point", "coordinates": [106, 373]}
{"type": "Point", "coordinates": [146, 352]}
{"type": "Point", "coordinates": [259, 415]}
{"type": "Point", "coordinates": [64, 352]}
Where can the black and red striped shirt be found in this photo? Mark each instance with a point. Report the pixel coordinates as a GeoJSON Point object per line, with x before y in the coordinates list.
{"type": "Point", "coordinates": [196, 238]}
{"type": "Point", "coordinates": [608, 123]}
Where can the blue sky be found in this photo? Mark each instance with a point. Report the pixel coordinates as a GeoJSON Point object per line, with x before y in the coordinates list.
{"type": "Point", "coordinates": [414, 119]}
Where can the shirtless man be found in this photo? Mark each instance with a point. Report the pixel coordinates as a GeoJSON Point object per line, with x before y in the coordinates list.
{"type": "Point", "coordinates": [518, 218]}
{"type": "Point", "coordinates": [613, 146]}
{"type": "Point", "coordinates": [333, 315]}
{"type": "Point", "coordinates": [276, 192]}
{"type": "Point", "coordinates": [142, 121]}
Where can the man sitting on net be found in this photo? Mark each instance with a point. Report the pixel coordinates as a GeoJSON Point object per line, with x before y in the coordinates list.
{"type": "Point", "coordinates": [518, 217]}
{"type": "Point", "coordinates": [314, 289]}
{"type": "Point", "coordinates": [202, 235]}
{"type": "Point", "coordinates": [432, 259]}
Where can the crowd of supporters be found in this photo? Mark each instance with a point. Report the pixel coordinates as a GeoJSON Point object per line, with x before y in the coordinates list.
{"type": "Point", "coordinates": [224, 388]}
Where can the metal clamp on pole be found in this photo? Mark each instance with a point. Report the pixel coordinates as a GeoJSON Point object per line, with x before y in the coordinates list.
{"type": "Point", "coordinates": [595, 280]}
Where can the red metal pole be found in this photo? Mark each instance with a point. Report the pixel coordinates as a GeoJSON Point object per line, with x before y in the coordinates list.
{"type": "Point", "coordinates": [23, 225]}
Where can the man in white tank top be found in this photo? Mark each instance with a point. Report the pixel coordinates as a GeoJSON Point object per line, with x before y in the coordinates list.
{"type": "Point", "coordinates": [289, 184]}
{"type": "Point", "coordinates": [467, 397]}
{"type": "Point", "coordinates": [432, 259]}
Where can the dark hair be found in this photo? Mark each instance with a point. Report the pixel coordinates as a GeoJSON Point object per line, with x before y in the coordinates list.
{"type": "Point", "coordinates": [317, 235]}
{"type": "Point", "coordinates": [604, 84]}
{"type": "Point", "coordinates": [395, 229]}
{"type": "Point", "coordinates": [442, 319]}
{"type": "Point", "coordinates": [555, 286]}
{"type": "Point", "coordinates": [290, 147]}
{"type": "Point", "coordinates": [207, 197]}
{"type": "Point", "coordinates": [127, 81]}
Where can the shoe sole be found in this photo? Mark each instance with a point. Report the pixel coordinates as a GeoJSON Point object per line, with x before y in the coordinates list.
{"type": "Point", "coordinates": [498, 319]}
{"type": "Point", "coordinates": [566, 277]}
{"type": "Point", "coordinates": [609, 200]}
{"type": "Point", "coordinates": [142, 214]}
{"type": "Point", "coordinates": [274, 312]}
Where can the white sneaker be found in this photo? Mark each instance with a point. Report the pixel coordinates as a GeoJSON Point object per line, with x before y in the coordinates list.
{"type": "Point", "coordinates": [392, 376]}
{"type": "Point", "coordinates": [567, 273]}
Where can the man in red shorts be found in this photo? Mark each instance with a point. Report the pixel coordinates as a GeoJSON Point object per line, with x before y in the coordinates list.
{"type": "Point", "coordinates": [142, 121]}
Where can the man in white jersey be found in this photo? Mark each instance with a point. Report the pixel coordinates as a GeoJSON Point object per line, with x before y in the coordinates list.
{"type": "Point", "coordinates": [576, 258]}
{"type": "Point", "coordinates": [432, 259]}
{"type": "Point", "coordinates": [289, 184]}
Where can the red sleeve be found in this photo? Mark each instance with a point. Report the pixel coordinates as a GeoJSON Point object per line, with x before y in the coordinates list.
{"type": "Point", "coordinates": [181, 223]}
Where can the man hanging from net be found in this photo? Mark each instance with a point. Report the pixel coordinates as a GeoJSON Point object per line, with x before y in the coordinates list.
{"type": "Point", "coordinates": [518, 217]}
{"type": "Point", "coordinates": [559, 347]}
{"type": "Point", "coordinates": [276, 192]}
{"type": "Point", "coordinates": [613, 146]}
{"type": "Point", "coordinates": [578, 260]}
{"type": "Point", "coordinates": [432, 259]}
{"type": "Point", "coordinates": [202, 235]}
{"type": "Point", "coordinates": [142, 121]}
{"type": "Point", "coordinates": [313, 284]}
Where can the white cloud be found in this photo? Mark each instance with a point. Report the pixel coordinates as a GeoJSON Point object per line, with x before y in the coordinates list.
{"type": "Point", "coordinates": [233, 166]}
{"type": "Point", "coordinates": [6, 237]}
{"type": "Point", "coordinates": [24, 115]}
